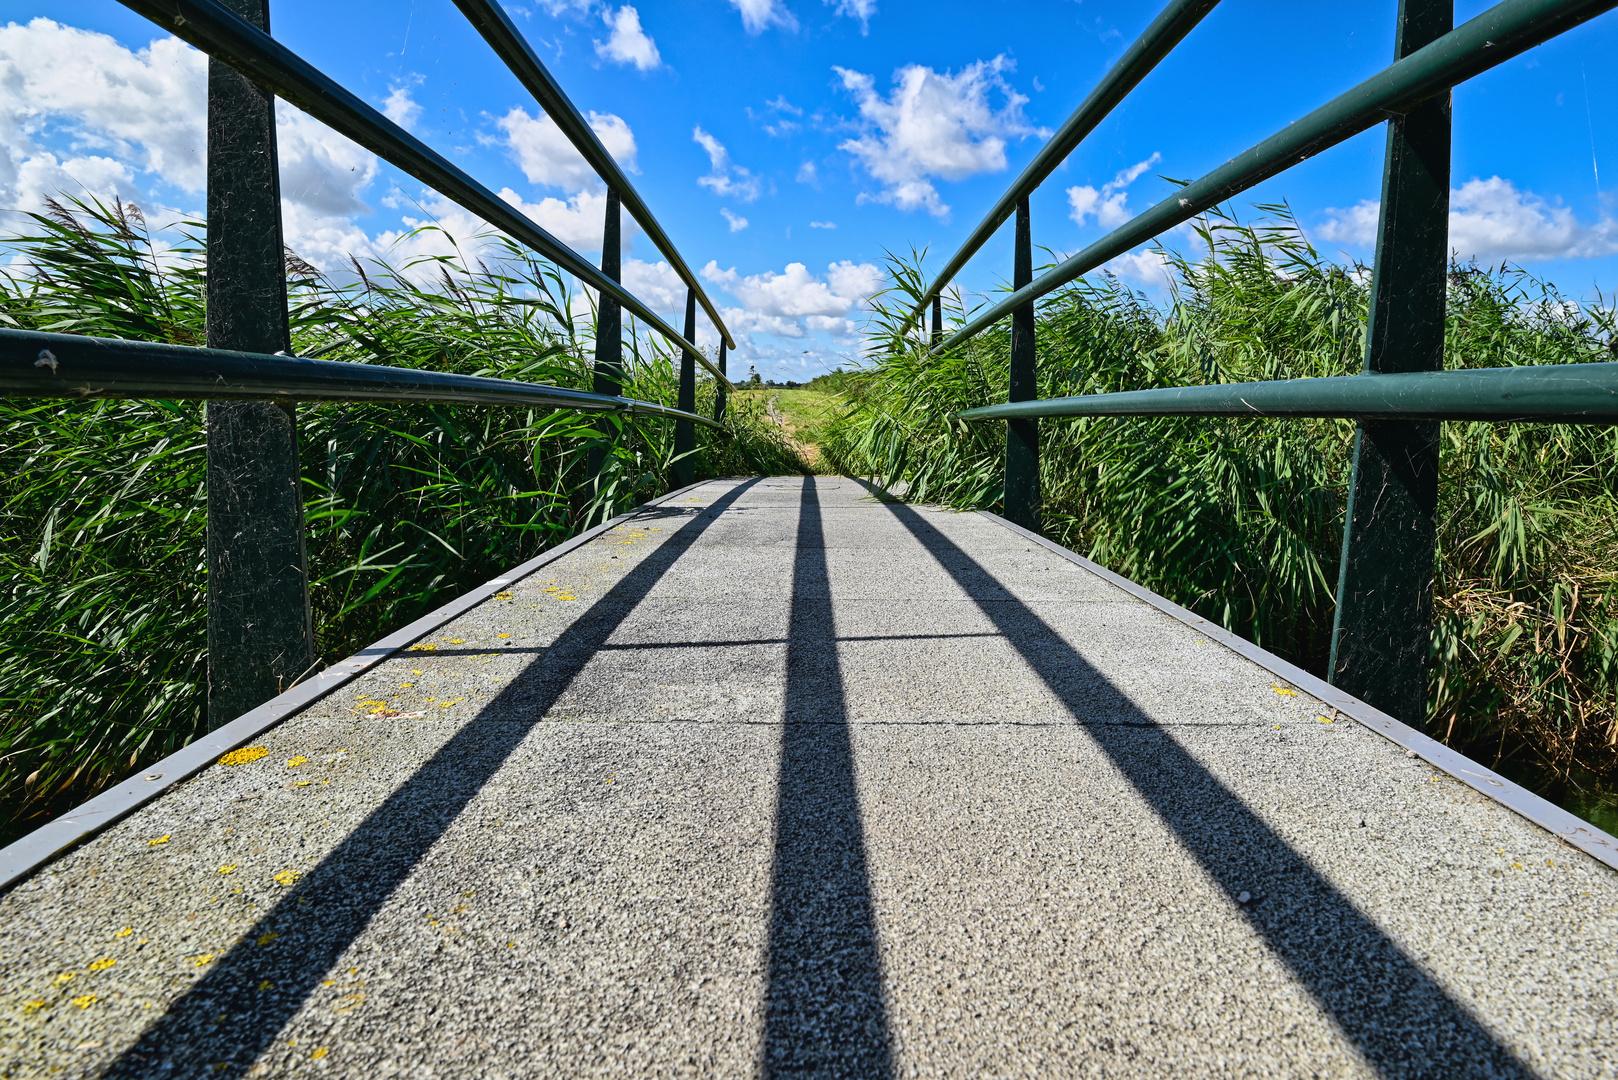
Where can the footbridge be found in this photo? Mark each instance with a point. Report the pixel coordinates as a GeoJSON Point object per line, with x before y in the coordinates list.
{"type": "Point", "coordinates": [782, 776]}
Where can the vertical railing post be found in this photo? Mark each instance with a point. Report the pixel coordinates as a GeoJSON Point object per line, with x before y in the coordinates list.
{"type": "Point", "coordinates": [609, 367]}
{"type": "Point", "coordinates": [938, 319]}
{"type": "Point", "coordinates": [685, 432]}
{"type": "Point", "coordinates": [1383, 624]}
{"type": "Point", "coordinates": [722, 390]}
{"type": "Point", "coordinates": [1022, 436]}
{"type": "Point", "coordinates": [259, 635]}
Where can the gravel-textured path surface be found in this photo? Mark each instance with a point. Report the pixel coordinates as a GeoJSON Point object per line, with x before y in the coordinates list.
{"type": "Point", "coordinates": [777, 778]}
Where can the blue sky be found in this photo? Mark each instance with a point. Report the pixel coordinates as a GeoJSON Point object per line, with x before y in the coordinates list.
{"type": "Point", "coordinates": [787, 145]}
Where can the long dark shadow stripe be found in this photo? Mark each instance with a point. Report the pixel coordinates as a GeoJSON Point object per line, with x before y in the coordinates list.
{"type": "Point", "coordinates": [1403, 1022]}
{"type": "Point", "coordinates": [351, 884]}
{"type": "Point", "coordinates": [824, 1010]}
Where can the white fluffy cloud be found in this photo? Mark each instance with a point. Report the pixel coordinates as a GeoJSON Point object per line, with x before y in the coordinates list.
{"type": "Point", "coordinates": [628, 43]}
{"type": "Point", "coordinates": [759, 15]}
{"type": "Point", "coordinates": [795, 295]}
{"type": "Point", "coordinates": [655, 283]}
{"type": "Point", "coordinates": [737, 222]}
{"type": "Point", "coordinates": [725, 177]}
{"type": "Point", "coordinates": [856, 9]}
{"type": "Point", "coordinates": [119, 110]}
{"type": "Point", "coordinates": [132, 123]}
{"type": "Point", "coordinates": [1109, 206]}
{"type": "Point", "coordinates": [933, 125]}
{"type": "Point", "coordinates": [320, 169]}
{"type": "Point", "coordinates": [1492, 220]}
{"type": "Point", "coordinates": [401, 108]}
{"type": "Point", "coordinates": [546, 157]}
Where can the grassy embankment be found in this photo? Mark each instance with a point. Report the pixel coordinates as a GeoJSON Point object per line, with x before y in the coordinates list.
{"type": "Point", "coordinates": [1241, 520]}
{"type": "Point", "coordinates": [102, 503]}
{"type": "Point", "coordinates": [801, 414]}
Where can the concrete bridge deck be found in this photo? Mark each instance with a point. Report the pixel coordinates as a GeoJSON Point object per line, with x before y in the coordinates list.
{"type": "Point", "coordinates": [776, 778]}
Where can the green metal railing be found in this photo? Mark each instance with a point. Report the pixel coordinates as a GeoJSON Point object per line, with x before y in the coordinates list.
{"type": "Point", "coordinates": [1384, 597]}
{"type": "Point", "coordinates": [259, 634]}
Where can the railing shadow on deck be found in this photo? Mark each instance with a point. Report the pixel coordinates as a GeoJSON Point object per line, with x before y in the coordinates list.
{"type": "Point", "coordinates": [352, 884]}
{"type": "Point", "coordinates": [825, 1013]}
{"type": "Point", "coordinates": [1400, 1020]}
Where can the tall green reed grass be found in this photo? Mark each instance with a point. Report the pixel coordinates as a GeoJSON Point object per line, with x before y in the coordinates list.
{"type": "Point", "coordinates": [1241, 520]}
{"type": "Point", "coordinates": [103, 503]}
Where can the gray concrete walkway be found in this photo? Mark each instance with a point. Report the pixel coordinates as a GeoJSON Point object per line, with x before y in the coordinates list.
{"type": "Point", "coordinates": [781, 779]}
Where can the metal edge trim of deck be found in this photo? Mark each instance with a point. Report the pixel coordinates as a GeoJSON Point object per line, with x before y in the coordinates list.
{"type": "Point", "coordinates": [22, 858]}
{"type": "Point", "coordinates": [1565, 826]}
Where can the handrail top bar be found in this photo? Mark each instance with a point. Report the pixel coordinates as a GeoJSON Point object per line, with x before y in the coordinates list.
{"type": "Point", "coordinates": [35, 363]}
{"type": "Point", "coordinates": [1504, 31]}
{"type": "Point", "coordinates": [1563, 393]}
{"type": "Point", "coordinates": [228, 37]}
{"type": "Point", "coordinates": [508, 43]}
{"type": "Point", "coordinates": [1166, 31]}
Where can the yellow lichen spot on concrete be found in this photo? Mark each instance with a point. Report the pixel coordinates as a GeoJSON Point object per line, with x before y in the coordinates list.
{"type": "Point", "coordinates": [85, 1002]}
{"type": "Point", "coordinates": [125, 932]}
{"type": "Point", "coordinates": [328, 982]}
{"type": "Point", "coordinates": [161, 839]}
{"type": "Point", "coordinates": [266, 985]}
{"type": "Point", "coordinates": [1324, 719]}
{"type": "Point", "coordinates": [294, 762]}
{"type": "Point", "coordinates": [33, 1006]}
{"type": "Point", "coordinates": [103, 964]}
{"type": "Point", "coordinates": [202, 958]}
{"type": "Point", "coordinates": [245, 755]}
{"type": "Point", "coordinates": [1285, 692]}
{"type": "Point", "coordinates": [319, 1053]}
{"type": "Point", "coordinates": [303, 783]}
{"type": "Point", "coordinates": [425, 647]}
{"type": "Point", "coordinates": [502, 635]}
{"type": "Point", "coordinates": [66, 977]}
{"type": "Point", "coordinates": [228, 869]}
{"type": "Point", "coordinates": [267, 937]}
{"type": "Point", "coordinates": [287, 877]}
{"type": "Point", "coordinates": [457, 641]}
{"type": "Point", "coordinates": [407, 686]}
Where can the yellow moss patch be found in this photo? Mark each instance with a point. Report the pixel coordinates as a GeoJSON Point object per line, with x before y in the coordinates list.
{"type": "Point", "coordinates": [244, 756]}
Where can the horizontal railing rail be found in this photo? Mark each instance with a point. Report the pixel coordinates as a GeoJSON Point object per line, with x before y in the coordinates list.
{"type": "Point", "coordinates": [501, 34]}
{"type": "Point", "coordinates": [38, 364]}
{"type": "Point", "coordinates": [1492, 38]}
{"type": "Point", "coordinates": [1551, 393]}
{"type": "Point", "coordinates": [237, 42]}
{"type": "Point", "coordinates": [1384, 598]}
